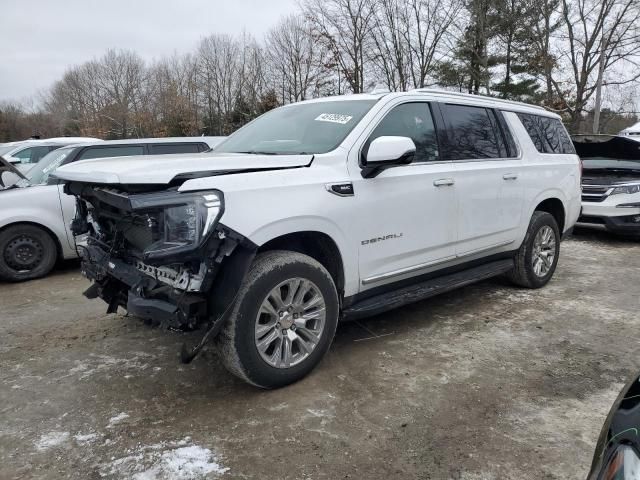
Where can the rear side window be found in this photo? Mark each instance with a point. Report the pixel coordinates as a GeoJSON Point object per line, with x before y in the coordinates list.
{"type": "Point", "coordinates": [32, 154]}
{"type": "Point", "coordinates": [547, 134]}
{"type": "Point", "coordinates": [472, 133]}
{"type": "Point", "coordinates": [167, 148]}
{"type": "Point", "coordinates": [113, 151]}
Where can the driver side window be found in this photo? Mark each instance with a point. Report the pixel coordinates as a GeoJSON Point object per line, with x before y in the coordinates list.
{"type": "Point", "coordinates": [411, 120]}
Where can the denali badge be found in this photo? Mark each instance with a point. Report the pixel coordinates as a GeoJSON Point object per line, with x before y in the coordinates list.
{"type": "Point", "coordinates": [380, 239]}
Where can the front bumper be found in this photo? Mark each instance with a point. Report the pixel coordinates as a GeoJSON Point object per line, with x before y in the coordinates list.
{"type": "Point", "coordinates": [121, 284]}
{"type": "Point", "coordinates": [624, 225]}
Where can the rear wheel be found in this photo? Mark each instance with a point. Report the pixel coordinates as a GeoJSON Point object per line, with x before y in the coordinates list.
{"type": "Point", "coordinates": [26, 252]}
{"type": "Point", "coordinates": [537, 257]}
{"type": "Point", "coordinates": [283, 321]}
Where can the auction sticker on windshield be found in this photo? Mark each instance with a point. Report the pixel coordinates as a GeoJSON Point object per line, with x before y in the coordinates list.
{"type": "Point", "coordinates": [334, 118]}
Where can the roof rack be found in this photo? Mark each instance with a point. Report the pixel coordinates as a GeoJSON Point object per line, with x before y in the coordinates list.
{"type": "Point", "coordinates": [435, 91]}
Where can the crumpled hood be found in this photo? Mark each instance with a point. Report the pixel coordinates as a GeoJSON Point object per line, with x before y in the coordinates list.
{"type": "Point", "coordinates": [162, 169]}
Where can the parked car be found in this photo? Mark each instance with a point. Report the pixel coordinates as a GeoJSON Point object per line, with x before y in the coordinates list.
{"type": "Point", "coordinates": [35, 213]}
{"type": "Point", "coordinates": [617, 453]}
{"type": "Point", "coordinates": [610, 183]}
{"type": "Point", "coordinates": [27, 153]}
{"type": "Point", "coordinates": [331, 208]}
{"type": "Point", "coordinates": [633, 132]}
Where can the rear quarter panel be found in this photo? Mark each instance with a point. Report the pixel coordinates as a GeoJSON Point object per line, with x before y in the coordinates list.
{"type": "Point", "coordinates": [546, 176]}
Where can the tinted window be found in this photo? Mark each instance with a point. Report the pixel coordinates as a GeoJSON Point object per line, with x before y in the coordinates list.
{"type": "Point", "coordinates": [471, 133]}
{"type": "Point", "coordinates": [547, 134]}
{"type": "Point", "coordinates": [411, 120]}
{"type": "Point", "coordinates": [32, 154]}
{"type": "Point", "coordinates": [166, 148]}
{"type": "Point", "coordinates": [512, 150]}
{"type": "Point", "coordinates": [114, 151]}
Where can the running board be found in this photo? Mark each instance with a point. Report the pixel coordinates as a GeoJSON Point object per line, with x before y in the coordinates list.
{"type": "Point", "coordinates": [429, 288]}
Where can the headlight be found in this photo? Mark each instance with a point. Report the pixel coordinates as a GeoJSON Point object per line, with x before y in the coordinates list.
{"type": "Point", "coordinates": [177, 222]}
{"type": "Point", "coordinates": [628, 189]}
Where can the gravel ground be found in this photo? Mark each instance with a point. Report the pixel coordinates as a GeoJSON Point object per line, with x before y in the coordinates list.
{"type": "Point", "coordinates": [489, 382]}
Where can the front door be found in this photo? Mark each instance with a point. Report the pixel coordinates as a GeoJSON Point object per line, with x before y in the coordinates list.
{"type": "Point", "coordinates": [408, 220]}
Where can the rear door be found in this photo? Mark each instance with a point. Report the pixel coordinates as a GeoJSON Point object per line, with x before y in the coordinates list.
{"type": "Point", "coordinates": [490, 194]}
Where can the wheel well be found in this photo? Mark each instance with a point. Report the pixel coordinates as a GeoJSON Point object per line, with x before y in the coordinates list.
{"type": "Point", "coordinates": [55, 238]}
{"type": "Point", "coordinates": [318, 246]}
{"type": "Point", "coordinates": [555, 207]}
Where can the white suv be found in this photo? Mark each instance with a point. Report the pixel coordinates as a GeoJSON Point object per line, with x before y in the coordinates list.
{"type": "Point", "coordinates": [328, 209]}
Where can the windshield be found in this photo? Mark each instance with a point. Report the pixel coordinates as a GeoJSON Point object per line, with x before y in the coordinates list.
{"type": "Point", "coordinates": [306, 128]}
{"type": "Point", "coordinates": [40, 172]}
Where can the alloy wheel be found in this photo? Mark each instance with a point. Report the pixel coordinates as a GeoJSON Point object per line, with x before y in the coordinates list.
{"type": "Point", "coordinates": [544, 251]}
{"type": "Point", "coordinates": [290, 323]}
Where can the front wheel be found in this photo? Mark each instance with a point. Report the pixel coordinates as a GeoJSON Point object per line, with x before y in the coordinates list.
{"type": "Point", "coordinates": [537, 257]}
{"type": "Point", "coordinates": [283, 321]}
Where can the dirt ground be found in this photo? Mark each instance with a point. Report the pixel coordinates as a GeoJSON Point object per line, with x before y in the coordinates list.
{"type": "Point", "coordinates": [489, 382]}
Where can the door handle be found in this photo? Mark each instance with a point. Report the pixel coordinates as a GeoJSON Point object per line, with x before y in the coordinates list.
{"type": "Point", "coordinates": [510, 176]}
{"type": "Point", "coordinates": [443, 182]}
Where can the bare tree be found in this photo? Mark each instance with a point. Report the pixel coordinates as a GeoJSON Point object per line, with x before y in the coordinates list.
{"type": "Point", "coordinates": [596, 32]}
{"type": "Point", "coordinates": [432, 31]}
{"type": "Point", "coordinates": [294, 58]}
{"type": "Point", "coordinates": [344, 28]}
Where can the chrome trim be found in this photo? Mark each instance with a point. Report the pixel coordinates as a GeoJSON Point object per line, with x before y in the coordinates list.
{"type": "Point", "coordinates": [443, 182]}
{"type": "Point", "coordinates": [403, 271]}
{"type": "Point", "coordinates": [433, 263]}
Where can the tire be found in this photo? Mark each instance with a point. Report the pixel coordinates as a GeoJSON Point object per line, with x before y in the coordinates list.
{"type": "Point", "coordinates": [251, 320]}
{"type": "Point", "coordinates": [525, 273]}
{"type": "Point", "coordinates": [26, 252]}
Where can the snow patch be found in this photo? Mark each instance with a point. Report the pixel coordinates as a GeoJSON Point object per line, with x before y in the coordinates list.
{"type": "Point", "coordinates": [51, 439]}
{"type": "Point", "coordinates": [179, 460]}
{"type": "Point", "coordinates": [87, 438]}
{"type": "Point", "coordinates": [95, 364]}
{"type": "Point", "coordinates": [117, 419]}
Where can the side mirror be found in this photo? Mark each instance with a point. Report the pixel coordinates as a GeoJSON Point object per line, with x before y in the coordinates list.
{"type": "Point", "coordinates": [385, 152]}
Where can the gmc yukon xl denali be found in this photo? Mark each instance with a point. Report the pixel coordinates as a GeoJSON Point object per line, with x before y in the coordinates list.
{"type": "Point", "coordinates": [328, 209]}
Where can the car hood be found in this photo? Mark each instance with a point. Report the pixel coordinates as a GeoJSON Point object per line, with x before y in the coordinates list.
{"type": "Point", "coordinates": [162, 169]}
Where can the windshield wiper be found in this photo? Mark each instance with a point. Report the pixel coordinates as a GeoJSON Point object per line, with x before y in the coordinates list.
{"type": "Point", "coordinates": [258, 152]}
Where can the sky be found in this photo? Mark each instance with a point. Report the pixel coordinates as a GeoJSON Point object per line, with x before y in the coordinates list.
{"type": "Point", "coordinates": [40, 39]}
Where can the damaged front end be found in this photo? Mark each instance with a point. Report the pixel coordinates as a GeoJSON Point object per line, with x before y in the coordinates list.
{"type": "Point", "coordinates": [162, 255]}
